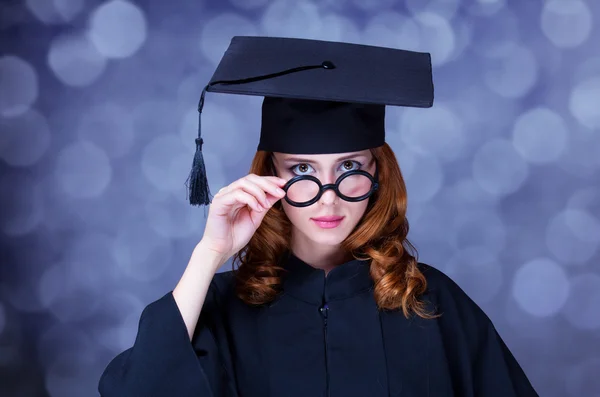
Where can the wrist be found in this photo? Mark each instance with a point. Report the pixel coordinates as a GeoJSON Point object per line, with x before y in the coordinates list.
{"type": "Point", "coordinates": [204, 251]}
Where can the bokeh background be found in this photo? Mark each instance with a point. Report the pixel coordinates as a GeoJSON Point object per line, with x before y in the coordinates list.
{"type": "Point", "coordinates": [97, 126]}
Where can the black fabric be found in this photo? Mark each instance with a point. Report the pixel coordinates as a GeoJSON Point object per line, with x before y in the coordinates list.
{"type": "Point", "coordinates": [322, 110]}
{"type": "Point", "coordinates": [294, 348]}
{"type": "Point", "coordinates": [299, 126]}
{"type": "Point", "coordinates": [362, 73]}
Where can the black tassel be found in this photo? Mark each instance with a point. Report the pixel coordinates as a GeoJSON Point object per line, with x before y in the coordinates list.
{"type": "Point", "coordinates": [197, 182]}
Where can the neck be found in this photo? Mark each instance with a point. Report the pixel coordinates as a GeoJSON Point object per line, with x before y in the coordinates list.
{"type": "Point", "coordinates": [325, 258]}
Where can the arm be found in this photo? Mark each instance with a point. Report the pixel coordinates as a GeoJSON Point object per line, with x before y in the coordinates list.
{"type": "Point", "coordinates": [163, 361]}
{"type": "Point", "coordinates": [190, 292]}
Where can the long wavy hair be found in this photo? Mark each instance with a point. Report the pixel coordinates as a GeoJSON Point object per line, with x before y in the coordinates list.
{"type": "Point", "coordinates": [380, 237]}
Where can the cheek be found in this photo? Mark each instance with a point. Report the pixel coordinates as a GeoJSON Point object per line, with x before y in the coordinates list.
{"type": "Point", "coordinates": [359, 209]}
{"type": "Point", "coordinates": [293, 213]}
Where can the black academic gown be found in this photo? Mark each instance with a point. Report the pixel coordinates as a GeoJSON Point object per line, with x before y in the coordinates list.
{"type": "Point", "coordinates": [322, 337]}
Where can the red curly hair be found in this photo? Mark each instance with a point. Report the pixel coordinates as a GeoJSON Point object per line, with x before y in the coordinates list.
{"type": "Point", "coordinates": [380, 237]}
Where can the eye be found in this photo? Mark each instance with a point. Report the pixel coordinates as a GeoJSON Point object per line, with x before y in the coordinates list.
{"type": "Point", "coordinates": [351, 162]}
{"type": "Point", "coordinates": [303, 165]}
{"type": "Point", "coordinates": [347, 163]}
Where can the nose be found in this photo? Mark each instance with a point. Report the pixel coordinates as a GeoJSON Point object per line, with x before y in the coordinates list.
{"type": "Point", "coordinates": [329, 195]}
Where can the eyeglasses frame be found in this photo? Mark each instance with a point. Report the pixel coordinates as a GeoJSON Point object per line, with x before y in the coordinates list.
{"type": "Point", "coordinates": [335, 186]}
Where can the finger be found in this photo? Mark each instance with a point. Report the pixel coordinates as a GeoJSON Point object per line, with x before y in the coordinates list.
{"type": "Point", "coordinates": [276, 180]}
{"type": "Point", "coordinates": [267, 192]}
{"type": "Point", "coordinates": [270, 185]}
{"type": "Point", "coordinates": [251, 187]}
{"type": "Point", "coordinates": [222, 191]}
{"type": "Point", "coordinates": [238, 198]}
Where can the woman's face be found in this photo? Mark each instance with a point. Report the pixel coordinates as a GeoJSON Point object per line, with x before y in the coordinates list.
{"type": "Point", "coordinates": [327, 168]}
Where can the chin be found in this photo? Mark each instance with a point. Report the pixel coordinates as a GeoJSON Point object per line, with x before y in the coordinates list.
{"type": "Point", "coordinates": [333, 242]}
{"type": "Point", "coordinates": [326, 236]}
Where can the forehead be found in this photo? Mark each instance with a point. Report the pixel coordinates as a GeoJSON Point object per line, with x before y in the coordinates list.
{"type": "Point", "coordinates": [321, 158]}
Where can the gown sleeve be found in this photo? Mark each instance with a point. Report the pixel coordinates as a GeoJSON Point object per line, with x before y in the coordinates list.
{"type": "Point", "coordinates": [163, 361]}
{"type": "Point", "coordinates": [480, 362]}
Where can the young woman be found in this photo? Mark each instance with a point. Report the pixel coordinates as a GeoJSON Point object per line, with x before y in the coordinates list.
{"type": "Point", "coordinates": [328, 298]}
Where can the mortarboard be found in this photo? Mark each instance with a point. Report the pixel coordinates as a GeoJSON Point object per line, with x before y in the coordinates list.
{"type": "Point", "coordinates": [320, 96]}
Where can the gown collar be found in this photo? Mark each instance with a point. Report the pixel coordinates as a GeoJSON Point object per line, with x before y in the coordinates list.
{"type": "Point", "coordinates": [309, 284]}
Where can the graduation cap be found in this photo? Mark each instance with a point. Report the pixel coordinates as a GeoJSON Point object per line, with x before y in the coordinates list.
{"type": "Point", "coordinates": [320, 96]}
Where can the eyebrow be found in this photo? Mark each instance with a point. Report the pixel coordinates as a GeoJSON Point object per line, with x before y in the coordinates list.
{"type": "Point", "coordinates": [303, 160]}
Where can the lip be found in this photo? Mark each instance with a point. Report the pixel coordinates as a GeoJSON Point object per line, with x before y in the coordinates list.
{"type": "Point", "coordinates": [328, 219]}
{"type": "Point", "coordinates": [328, 224]}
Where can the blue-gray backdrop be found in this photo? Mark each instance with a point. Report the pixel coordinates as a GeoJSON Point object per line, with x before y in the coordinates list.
{"type": "Point", "coordinates": [98, 120]}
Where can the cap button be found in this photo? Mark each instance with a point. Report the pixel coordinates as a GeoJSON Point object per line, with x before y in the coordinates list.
{"type": "Point", "coordinates": [328, 65]}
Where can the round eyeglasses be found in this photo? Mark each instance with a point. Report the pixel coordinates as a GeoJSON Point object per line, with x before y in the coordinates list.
{"type": "Point", "coordinates": [353, 186]}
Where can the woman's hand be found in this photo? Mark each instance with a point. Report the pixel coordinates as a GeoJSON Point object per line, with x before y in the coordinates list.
{"type": "Point", "coordinates": [237, 211]}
